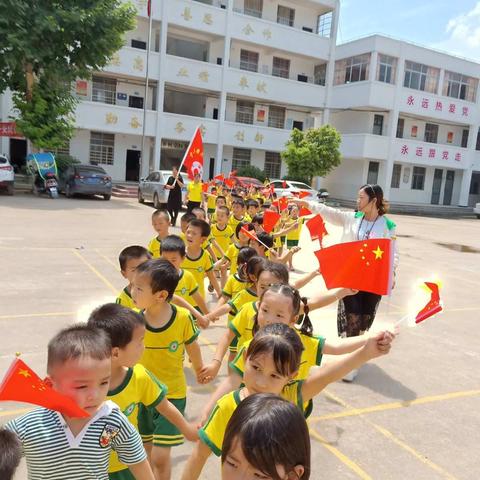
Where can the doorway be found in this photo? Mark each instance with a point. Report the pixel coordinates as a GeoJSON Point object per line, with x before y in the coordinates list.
{"type": "Point", "coordinates": [211, 168]}
{"type": "Point", "coordinates": [447, 194]}
{"type": "Point", "coordinates": [18, 152]}
{"type": "Point", "coordinates": [437, 186]}
{"type": "Point", "coordinates": [132, 170]}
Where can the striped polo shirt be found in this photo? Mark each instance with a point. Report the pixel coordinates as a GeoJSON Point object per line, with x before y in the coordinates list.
{"type": "Point", "coordinates": [53, 453]}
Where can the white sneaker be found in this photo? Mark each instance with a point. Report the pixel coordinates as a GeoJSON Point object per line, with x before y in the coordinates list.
{"type": "Point", "coordinates": [350, 377]}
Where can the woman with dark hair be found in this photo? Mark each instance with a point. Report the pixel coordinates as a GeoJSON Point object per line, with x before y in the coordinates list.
{"type": "Point", "coordinates": [356, 313]}
{"type": "Point", "coordinates": [174, 202]}
{"type": "Point", "coordinates": [266, 436]}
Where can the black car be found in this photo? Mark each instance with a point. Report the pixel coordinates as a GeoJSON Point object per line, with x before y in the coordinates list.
{"type": "Point", "coordinates": [85, 180]}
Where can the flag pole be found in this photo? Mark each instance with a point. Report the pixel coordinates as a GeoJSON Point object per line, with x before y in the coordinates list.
{"type": "Point", "coordinates": [150, 21]}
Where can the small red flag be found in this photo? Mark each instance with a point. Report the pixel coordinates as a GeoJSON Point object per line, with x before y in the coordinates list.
{"type": "Point", "coordinates": [229, 182]}
{"type": "Point", "coordinates": [316, 227]}
{"type": "Point", "coordinates": [365, 265]}
{"type": "Point", "coordinates": [304, 212]}
{"type": "Point", "coordinates": [303, 194]}
{"type": "Point", "coordinates": [219, 178]}
{"type": "Point", "coordinates": [22, 384]}
{"type": "Point", "coordinates": [282, 203]}
{"type": "Point", "coordinates": [193, 159]}
{"type": "Point", "coordinates": [204, 187]}
{"type": "Point", "coordinates": [433, 306]}
{"type": "Point", "coordinates": [250, 234]}
{"type": "Point", "coordinates": [270, 219]}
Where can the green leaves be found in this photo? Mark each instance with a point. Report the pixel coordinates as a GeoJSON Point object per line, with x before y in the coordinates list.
{"type": "Point", "coordinates": [312, 153]}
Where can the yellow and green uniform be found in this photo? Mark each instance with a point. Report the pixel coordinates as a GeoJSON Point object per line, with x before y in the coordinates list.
{"type": "Point", "coordinates": [242, 324]}
{"type": "Point", "coordinates": [187, 286]}
{"type": "Point", "coordinates": [232, 256]}
{"type": "Point", "coordinates": [234, 221]}
{"type": "Point", "coordinates": [293, 236]}
{"type": "Point", "coordinates": [198, 267]}
{"type": "Point", "coordinates": [154, 247]}
{"type": "Point", "coordinates": [214, 430]}
{"type": "Point", "coordinates": [139, 387]}
{"type": "Point", "coordinates": [243, 297]}
{"type": "Point", "coordinates": [222, 237]}
{"type": "Point", "coordinates": [235, 285]}
{"type": "Point", "coordinates": [125, 299]}
{"type": "Point", "coordinates": [211, 201]}
{"type": "Point", "coordinates": [195, 192]}
{"type": "Point", "coordinates": [163, 356]}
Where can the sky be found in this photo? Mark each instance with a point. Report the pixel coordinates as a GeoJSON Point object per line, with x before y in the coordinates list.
{"type": "Point", "coordinates": [452, 26]}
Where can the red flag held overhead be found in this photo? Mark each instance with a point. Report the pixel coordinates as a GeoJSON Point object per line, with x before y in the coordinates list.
{"type": "Point", "coordinates": [304, 212]}
{"type": "Point", "coordinates": [219, 178]}
{"type": "Point", "coordinates": [365, 265]}
{"type": "Point", "coordinates": [22, 384]}
{"type": "Point", "coordinates": [303, 194]}
{"type": "Point", "coordinates": [316, 227]}
{"type": "Point", "coordinates": [270, 219]}
{"type": "Point", "coordinates": [193, 159]}
{"type": "Point", "coordinates": [434, 305]}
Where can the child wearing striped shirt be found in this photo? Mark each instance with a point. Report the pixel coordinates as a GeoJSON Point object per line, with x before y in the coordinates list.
{"type": "Point", "coordinates": [58, 447]}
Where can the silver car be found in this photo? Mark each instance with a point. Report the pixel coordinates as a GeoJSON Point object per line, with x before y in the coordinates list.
{"type": "Point", "coordinates": [285, 188]}
{"type": "Point", "coordinates": [152, 188]}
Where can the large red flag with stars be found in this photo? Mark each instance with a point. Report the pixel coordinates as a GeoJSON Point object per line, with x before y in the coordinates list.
{"type": "Point", "coordinates": [22, 384]}
{"type": "Point", "coordinates": [193, 159]}
{"type": "Point", "coordinates": [270, 219]}
{"type": "Point", "coordinates": [366, 265]}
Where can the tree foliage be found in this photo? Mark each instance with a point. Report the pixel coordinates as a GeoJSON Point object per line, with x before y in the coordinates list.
{"type": "Point", "coordinates": [251, 171]}
{"type": "Point", "coordinates": [46, 44]}
{"type": "Point", "coordinates": [314, 152]}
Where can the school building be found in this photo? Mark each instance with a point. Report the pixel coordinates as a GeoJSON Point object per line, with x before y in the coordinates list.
{"type": "Point", "coordinates": [249, 71]}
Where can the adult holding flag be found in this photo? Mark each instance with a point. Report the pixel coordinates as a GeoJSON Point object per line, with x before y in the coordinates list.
{"type": "Point", "coordinates": [356, 313]}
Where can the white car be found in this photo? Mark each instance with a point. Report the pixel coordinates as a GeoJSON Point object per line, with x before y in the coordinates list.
{"type": "Point", "coordinates": [7, 175]}
{"type": "Point", "coordinates": [288, 187]}
{"type": "Point", "coordinates": [152, 188]}
{"type": "Point", "coordinates": [476, 210]}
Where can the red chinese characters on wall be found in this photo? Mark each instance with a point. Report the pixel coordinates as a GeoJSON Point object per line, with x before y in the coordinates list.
{"type": "Point", "coordinates": [404, 150]}
{"type": "Point", "coordinates": [437, 105]}
{"type": "Point", "coordinates": [458, 157]}
{"type": "Point", "coordinates": [431, 153]}
{"type": "Point", "coordinates": [419, 152]}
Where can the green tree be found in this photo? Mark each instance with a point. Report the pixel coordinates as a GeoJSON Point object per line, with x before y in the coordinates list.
{"type": "Point", "coordinates": [312, 153]}
{"type": "Point", "coordinates": [47, 44]}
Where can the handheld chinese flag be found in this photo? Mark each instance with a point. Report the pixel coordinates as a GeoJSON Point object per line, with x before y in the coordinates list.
{"type": "Point", "coordinates": [22, 384]}
{"type": "Point", "coordinates": [434, 305]}
{"type": "Point", "coordinates": [303, 194]}
{"type": "Point", "coordinates": [251, 234]}
{"type": "Point", "coordinates": [193, 158]}
{"type": "Point", "coordinates": [219, 178]}
{"type": "Point", "coordinates": [270, 219]}
{"type": "Point", "coordinates": [366, 265]}
{"type": "Point", "coordinates": [316, 227]}
{"type": "Point", "coordinates": [229, 182]}
{"type": "Point", "coordinates": [282, 203]}
{"type": "Point", "coordinates": [304, 212]}
{"type": "Point", "coordinates": [204, 187]}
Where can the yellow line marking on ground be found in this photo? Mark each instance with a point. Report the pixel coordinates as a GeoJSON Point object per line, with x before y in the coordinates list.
{"type": "Point", "coordinates": [386, 433]}
{"type": "Point", "coordinates": [95, 271]}
{"type": "Point", "coordinates": [353, 412]}
{"type": "Point", "coordinates": [20, 411]}
{"type": "Point", "coordinates": [341, 456]}
{"type": "Point", "coordinates": [48, 314]}
{"type": "Point", "coordinates": [113, 264]}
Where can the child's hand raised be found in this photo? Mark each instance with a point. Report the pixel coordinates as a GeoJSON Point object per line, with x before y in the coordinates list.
{"type": "Point", "coordinates": [378, 345]}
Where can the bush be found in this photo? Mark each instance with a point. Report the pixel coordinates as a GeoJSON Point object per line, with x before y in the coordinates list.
{"type": "Point", "coordinates": [65, 161]}
{"type": "Point", "coordinates": [251, 171]}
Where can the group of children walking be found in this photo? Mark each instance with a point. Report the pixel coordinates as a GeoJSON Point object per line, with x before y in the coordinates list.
{"type": "Point", "coordinates": [126, 365]}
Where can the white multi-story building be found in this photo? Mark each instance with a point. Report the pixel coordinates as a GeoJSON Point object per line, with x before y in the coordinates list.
{"type": "Point", "coordinates": [246, 71]}
{"type": "Point", "coordinates": [249, 71]}
{"type": "Point", "coordinates": [409, 119]}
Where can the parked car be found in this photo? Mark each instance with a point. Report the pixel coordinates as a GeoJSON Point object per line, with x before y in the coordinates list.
{"type": "Point", "coordinates": [476, 210]}
{"type": "Point", "coordinates": [86, 180]}
{"type": "Point", "coordinates": [152, 188]}
{"type": "Point", "coordinates": [7, 175]}
{"type": "Point", "coordinates": [246, 182]}
{"type": "Point", "coordinates": [288, 187]}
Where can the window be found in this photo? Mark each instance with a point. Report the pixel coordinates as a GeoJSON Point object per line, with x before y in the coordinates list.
{"type": "Point", "coordinates": [324, 24]}
{"type": "Point", "coordinates": [418, 178]}
{"type": "Point", "coordinates": [353, 69]}
{"type": "Point", "coordinates": [248, 60]}
{"type": "Point", "coordinates": [244, 112]}
{"type": "Point", "coordinates": [297, 124]}
{"type": "Point", "coordinates": [421, 77]}
{"type": "Point", "coordinates": [241, 158]}
{"type": "Point", "coordinates": [285, 16]}
{"type": "Point", "coordinates": [460, 86]}
{"type": "Point", "coordinates": [139, 44]}
{"type": "Point", "coordinates": [320, 74]}
{"type": "Point", "coordinates": [431, 133]}
{"type": "Point", "coordinates": [281, 67]}
{"type": "Point", "coordinates": [63, 150]}
{"type": "Point", "coordinates": [276, 117]}
{"type": "Point", "coordinates": [101, 148]}
{"type": "Point", "coordinates": [104, 90]}
{"type": "Point", "coordinates": [396, 174]}
{"type": "Point", "coordinates": [372, 177]}
{"type": "Point", "coordinates": [400, 127]}
{"type": "Point", "coordinates": [464, 138]}
{"type": "Point", "coordinates": [253, 8]}
{"type": "Point", "coordinates": [273, 164]}
{"type": "Point", "coordinates": [386, 69]}
{"type": "Point", "coordinates": [135, 102]}
{"type": "Point", "coordinates": [378, 125]}
{"type": "Point", "coordinates": [477, 146]}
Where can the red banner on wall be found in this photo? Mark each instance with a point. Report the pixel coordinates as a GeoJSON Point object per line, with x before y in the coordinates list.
{"type": "Point", "coordinates": [8, 129]}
